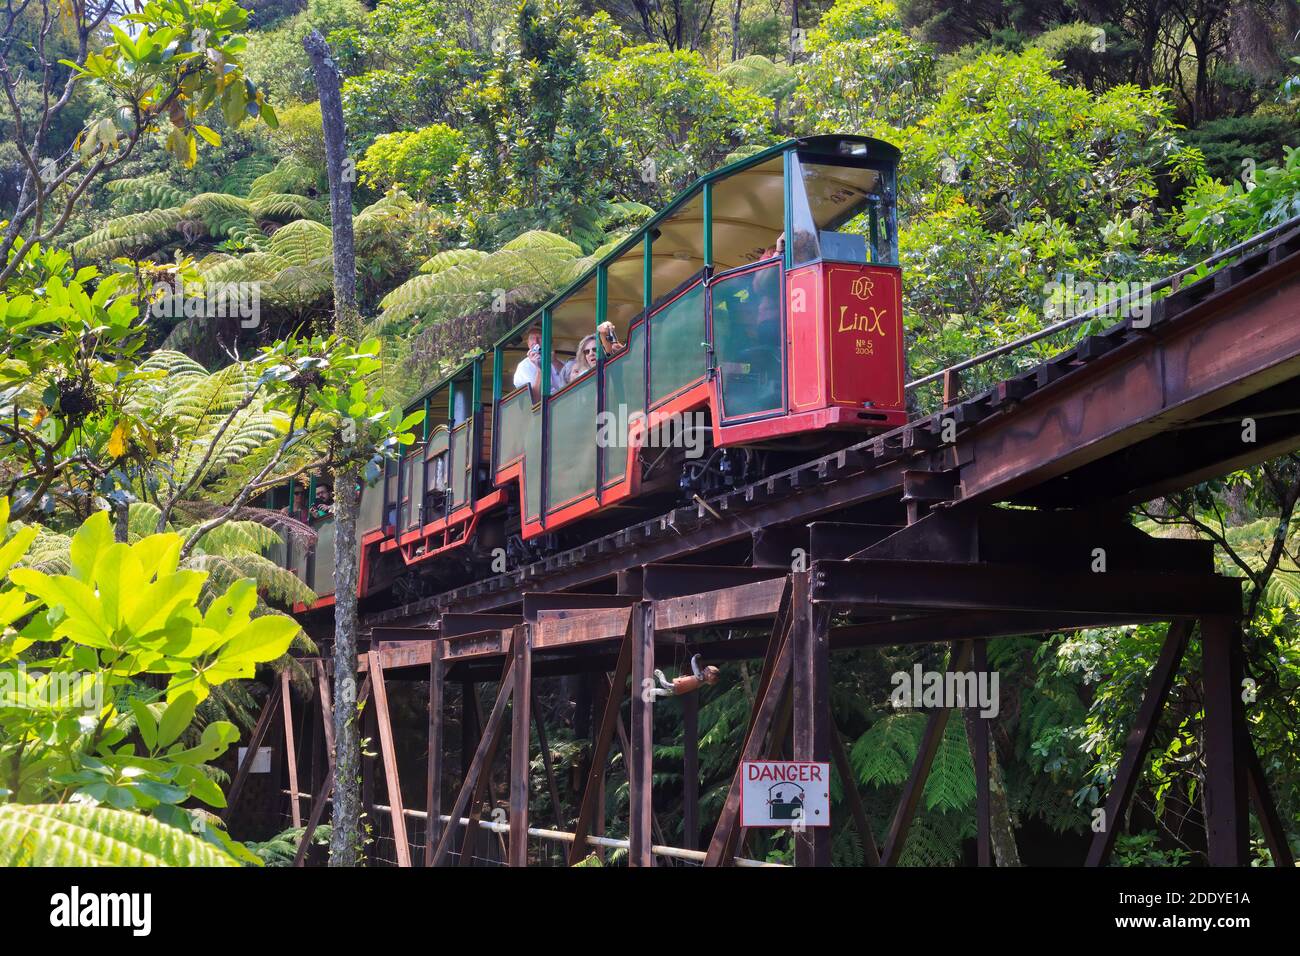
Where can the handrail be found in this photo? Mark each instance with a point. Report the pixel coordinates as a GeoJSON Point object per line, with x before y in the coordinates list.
{"type": "Point", "coordinates": [563, 836]}
{"type": "Point", "coordinates": [1167, 281]}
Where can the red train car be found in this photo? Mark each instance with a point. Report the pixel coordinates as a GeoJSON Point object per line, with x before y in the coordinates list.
{"type": "Point", "coordinates": [757, 317]}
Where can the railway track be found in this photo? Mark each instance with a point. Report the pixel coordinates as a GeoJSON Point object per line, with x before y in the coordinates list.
{"type": "Point", "coordinates": [921, 459]}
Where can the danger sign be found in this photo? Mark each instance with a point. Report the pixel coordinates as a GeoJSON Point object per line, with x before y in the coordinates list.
{"type": "Point", "coordinates": [781, 793]}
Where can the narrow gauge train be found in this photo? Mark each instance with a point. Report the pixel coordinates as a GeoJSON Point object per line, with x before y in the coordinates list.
{"type": "Point", "coordinates": [755, 321]}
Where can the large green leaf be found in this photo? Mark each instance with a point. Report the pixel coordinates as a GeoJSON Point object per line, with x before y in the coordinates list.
{"type": "Point", "coordinates": [78, 835]}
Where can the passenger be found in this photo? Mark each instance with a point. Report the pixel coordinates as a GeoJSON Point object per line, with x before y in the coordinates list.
{"type": "Point", "coordinates": [609, 338]}
{"type": "Point", "coordinates": [324, 504]}
{"type": "Point", "coordinates": [777, 248]}
{"type": "Point", "coordinates": [581, 363]}
{"type": "Point", "coordinates": [528, 371]}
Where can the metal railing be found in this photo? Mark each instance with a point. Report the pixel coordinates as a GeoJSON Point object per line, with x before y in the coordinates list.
{"type": "Point", "coordinates": [563, 836]}
{"type": "Point", "coordinates": [1168, 282]}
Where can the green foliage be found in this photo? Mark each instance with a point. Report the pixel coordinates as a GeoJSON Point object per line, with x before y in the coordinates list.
{"type": "Point", "coordinates": [1218, 214]}
{"type": "Point", "coordinates": [539, 152]}
{"type": "Point", "coordinates": [276, 59]}
{"type": "Point", "coordinates": [289, 176]}
{"type": "Point", "coordinates": [120, 612]}
{"type": "Point", "coordinates": [1014, 179]}
{"type": "Point", "coordinates": [70, 835]}
{"type": "Point", "coordinates": [71, 341]}
{"type": "Point", "coordinates": [871, 85]}
{"type": "Point", "coordinates": [282, 849]}
{"type": "Point", "coordinates": [179, 60]}
{"type": "Point", "coordinates": [856, 20]}
{"type": "Point", "coordinates": [420, 161]}
{"type": "Point", "coordinates": [673, 118]}
{"type": "Point", "coordinates": [407, 65]}
{"type": "Point", "coordinates": [459, 282]}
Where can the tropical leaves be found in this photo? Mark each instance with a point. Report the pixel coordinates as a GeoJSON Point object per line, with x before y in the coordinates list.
{"type": "Point", "coordinates": [159, 214]}
{"type": "Point", "coordinates": [455, 283]}
{"type": "Point", "coordinates": [80, 835]}
{"type": "Point", "coordinates": [193, 406]}
{"type": "Point", "coordinates": [289, 176]}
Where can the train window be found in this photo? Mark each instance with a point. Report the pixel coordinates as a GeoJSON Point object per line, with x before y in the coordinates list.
{"type": "Point", "coordinates": [678, 248]}
{"type": "Point", "coordinates": [748, 214]}
{"type": "Point", "coordinates": [747, 340]}
{"type": "Point", "coordinates": [842, 212]}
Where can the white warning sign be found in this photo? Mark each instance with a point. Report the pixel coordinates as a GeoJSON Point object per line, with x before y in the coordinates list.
{"type": "Point", "coordinates": [785, 793]}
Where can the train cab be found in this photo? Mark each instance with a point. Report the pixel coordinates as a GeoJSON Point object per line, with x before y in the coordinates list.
{"type": "Point", "coordinates": [761, 309]}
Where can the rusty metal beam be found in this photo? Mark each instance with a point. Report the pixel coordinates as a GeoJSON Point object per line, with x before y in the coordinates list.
{"type": "Point", "coordinates": [479, 764]}
{"type": "Point", "coordinates": [593, 792]}
{"type": "Point", "coordinates": [940, 585]}
{"type": "Point", "coordinates": [1238, 343]}
{"type": "Point", "coordinates": [254, 742]}
{"type": "Point", "coordinates": [640, 758]}
{"type": "Point", "coordinates": [521, 718]}
{"type": "Point", "coordinates": [663, 581]}
{"type": "Point", "coordinates": [849, 781]}
{"type": "Point", "coordinates": [290, 748]}
{"type": "Point", "coordinates": [1139, 741]}
{"type": "Point", "coordinates": [810, 656]}
{"type": "Point", "coordinates": [433, 782]}
{"type": "Point", "coordinates": [536, 602]}
{"type": "Point", "coordinates": [388, 752]}
{"type": "Point", "coordinates": [722, 846]}
{"type": "Point", "coordinates": [1227, 823]}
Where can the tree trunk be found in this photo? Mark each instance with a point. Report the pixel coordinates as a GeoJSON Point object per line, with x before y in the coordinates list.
{"type": "Point", "coordinates": [345, 838]}
{"type": "Point", "coordinates": [121, 520]}
{"type": "Point", "coordinates": [1002, 835]}
{"type": "Point", "coordinates": [735, 31]}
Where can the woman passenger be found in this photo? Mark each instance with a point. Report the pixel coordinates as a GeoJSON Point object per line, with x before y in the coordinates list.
{"type": "Point", "coordinates": [584, 361]}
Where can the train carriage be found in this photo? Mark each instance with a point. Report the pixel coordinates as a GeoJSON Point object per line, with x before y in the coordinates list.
{"type": "Point", "coordinates": [757, 317]}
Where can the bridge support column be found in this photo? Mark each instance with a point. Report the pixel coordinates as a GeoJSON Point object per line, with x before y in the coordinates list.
{"type": "Point", "coordinates": [640, 758]}
{"type": "Point", "coordinates": [1227, 825]}
{"type": "Point", "coordinates": [812, 710]}
{"type": "Point", "coordinates": [433, 783]}
{"type": "Point", "coordinates": [521, 719]}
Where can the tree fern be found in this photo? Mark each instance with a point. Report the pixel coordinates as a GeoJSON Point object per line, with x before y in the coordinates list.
{"type": "Point", "coordinates": [530, 266]}
{"type": "Point", "coordinates": [289, 176]}
{"type": "Point", "coordinates": [243, 173]}
{"type": "Point", "coordinates": [224, 217]}
{"type": "Point", "coordinates": [135, 233]}
{"type": "Point", "coordinates": [884, 754]}
{"type": "Point", "coordinates": [286, 207]}
{"type": "Point", "coordinates": [951, 784]}
{"type": "Point", "coordinates": [142, 193]}
{"type": "Point", "coordinates": [79, 835]}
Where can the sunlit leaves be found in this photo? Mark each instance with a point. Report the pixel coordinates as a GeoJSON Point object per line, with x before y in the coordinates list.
{"type": "Point", "coordinates": [123, 611]}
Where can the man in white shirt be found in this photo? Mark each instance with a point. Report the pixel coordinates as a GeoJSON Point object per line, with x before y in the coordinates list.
{"type": "Point", "coordinates": [528, 371]}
